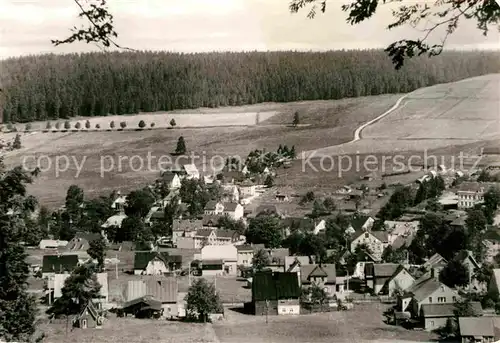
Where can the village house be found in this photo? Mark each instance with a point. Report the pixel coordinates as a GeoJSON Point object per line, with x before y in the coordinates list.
{"type": "Point", "coordinates": [388, 278]}
{"type": "Point", "coordinates": [426, 291]}
{"type": "Point", "coordinates": [435, 264]}
{"type": "Point", "coordinates": [233, 210]}
{"type": "Point", "coordinates": [434, 316]}
{"type": "Point", "coordinates": [58, 264]}
{"type": "Point", "coordinates": [400, 229]}
{"type": "Point", "coordinates": [55, 283]}
{"type": "Point", "coordinates": [376, 241]}
{"type": "Point", "coordinates": [184, 228]}
{"type": "Point", "coordinates": [143, 307]}
{"type": "Point", "coordinates": [277, 257]}
{"type": "Point", "coordinates": [214, 208]}
{"type": "Point", "coordinates": [230, 177]}
{"type": "Point", "coordinates": [477, 329]}
{"type": "Point", "coordinates": [275, 293]}
{"type": "Point", "coordinates": [231, 193]}
{"type": "Point", "coordinates": [247, 189]}
{"type": "Point", "coordinates": [171, 179]}
{"type": "Point", "coordinates": [214, 236]}
{"type": "Point", "coordinates": [89, 318]}
{"type": "Point", "coordinates": [227, 253]}
{"type": "Point", "coordinates": [81, 241]}
{"type": "Point", "coordinates": [212, 267]}
{"type": "Point", "coordinates": [323, 276]}
{"type": "Point", "coordinates": [162, 289]}
{"type": "Point", "coordinates": [360, 223]}
{"type": "Point", "coordinates": [301, 224]}
{"type": "Point", "coordinates": [51, 244]}
{"type": "Point", "coordinates": [115, 220]}
{"type": "Point", "coordinates": [155, 263]}
{"type": "Point", "coordinates": [281, 197]}
{"type": "Point", "coordinates": [246, 253]}
{"type": "Point", "coordinates": [118, 205]}
{"type": "Point", "coordinates": [467, 259]}
{"type": "Point", "coordinates": [189, 171]}
{"type": "Point", "coordinates": [472, 193]}
{"type": "Point", "coordinates": [293, 263]}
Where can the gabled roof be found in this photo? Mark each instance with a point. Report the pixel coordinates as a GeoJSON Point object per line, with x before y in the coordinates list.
{"type": "Point", "coordinates": [59, 263]}
{"type": "Point", "coordinates": [292, 261]}
{"type": "Point", "coordinates": [274, 286]}
{"type": "Point", "coordinates": [382, 236]}
{"type": "Point", "coordinates": [204, 232]}
{"type": "Point", "coordinates": [309, 271]}
{"type": "Point", "coordinates": [399, 269]}
{"type": "Point", "coordinates": [168, 176]}
{"type": "Point", "coordinates": [446, 310]}
{"type": "Point", "coordinates": [462, 255]}
{"type": "Point", "coordinates": [476, 326]}
{"type": "Point", "coordinates": [435, 260]}
{"type": "Point", "coordinates": [91, 310]}
{"type": "Point", "coordinates": [384, 270]}
{"type": "Point", "coordinates": [147, 303]}
{"type": "Point", "coordinates": [476, 187]}
{"type": "Point", "coordinates": [211, 220]}
{"type": "Point", "coordinates": [422, 289]}
{"type": "Point", "coordinates": [250, 247]}
{"type": "Point", "coordinates": [142, 258]}
{"type": "Point", "coordinates": [230, 206]}
{"type": "Point", "coordinates": [211, 205]}
{"type": "Point", "coordinates": [358, 222]}
{"type": "Point", "coordinates": [222, 233]}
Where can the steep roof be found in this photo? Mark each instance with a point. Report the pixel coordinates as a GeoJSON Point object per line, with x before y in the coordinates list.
{"type": "Point", "coordinates": [462, 255]}
{"type": "Point", "coordinates": [422, 289]}
{"type": "Point", "coordinates": [385, 269]}
{"type": "Point", "coordinates": [446, 310]}
{"type": "Point", "coordinates": [147, 301]}
{"type": "Point", "coordinates": [382, 236]}
{"type": "Point", "coordinates": [298, 223]}
{"type": "Point", "coordinates": [292, 261]}
{"type": "Point", "coordinates": [358, 222]}
{"type": "Point", "coordinates": [190, 168]}
{"type": "Point", "coordinates": [59, 263]}
{"type": "Point", "coordinates": [142, 258]}
{"type": "Point", "coordinates": [476, 187]}
{"type": "Point", "coordinates": [434, 260]}
{"type": "Point", "coordinates": [476, 326]}
{"type": "Point", "coordinates": [222, 233]}
{"type": "Point", "coordinates": [211, 205]}
{"type": "Point", "coordinates": [168, 176]}
{"type": "Point", "coordinates": [211, 220]}
{"type": "Point", "coordinates": [230, 206]}
{"type": "Point", "coordinates": [307, 271]}
{"type": "Point", "coordinates": [204, 232]}
{"type": "Point", "coordinates": [275, 286]}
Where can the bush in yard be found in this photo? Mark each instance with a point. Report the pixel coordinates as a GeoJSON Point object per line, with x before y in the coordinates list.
{"type": "Point", "coordinates": [152, 125]}
{"type": "Point", "coordinates": [97, 126]}
{"type": "Point", "coordinates": [67, 125]}
{"type": "Point", "coordinates": [181, 146]}
{"type": "Point", "coordinates": [48, 126]}
{"type": "Point", "coordinates": [173, 123]}
{"type": "Point", "coordinates": [87, 124]}
{"type": "Point", "coordinates": [123, 124]}
{"type": "Point", "coordinates": [58, 125]}
{"type": "Point", "coordinates": [78, 125]}
{"type": "Point", "coordinates": [27, 127]}
{"type": "Point", "coordinates": [142, 124]}
{"type": "Point", "coordinates": [112, 124]}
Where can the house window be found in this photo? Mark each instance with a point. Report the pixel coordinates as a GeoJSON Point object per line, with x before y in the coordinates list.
{"type": "Point", "coordinates": [283, 310]}
{"type": "Point", "coordinates": [441, 299]}
{"type": "Point", "coordinates": [431, 323]}
{"type": "Point", "coordinates": [430, 300]}
{"type": "Point", "coordinates": [454, 299]}
{"type": "Point", "coordinates": [84, 323]}
{"type": "Point", "coordinates": [367, 235]}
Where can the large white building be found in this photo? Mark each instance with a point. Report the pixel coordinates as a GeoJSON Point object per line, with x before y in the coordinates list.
{"type": "Point", "coordinates": [472, 193]}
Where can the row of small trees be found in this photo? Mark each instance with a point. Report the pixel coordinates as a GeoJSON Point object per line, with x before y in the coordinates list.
{"type": "Point", "coordinates": [87, 125]}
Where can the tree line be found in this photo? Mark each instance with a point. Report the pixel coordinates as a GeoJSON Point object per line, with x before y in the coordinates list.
{"type": "Point", "coordinates": [51, 87]}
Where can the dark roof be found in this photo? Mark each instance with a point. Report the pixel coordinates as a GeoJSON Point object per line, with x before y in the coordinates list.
{"type": "Point", "coordinates": [168, 176]}
{"type": "Point", "coordinates": [266, 209]}
{"type": "Point", "coordinates": [59, 263]}
{"type": "Point", "coordinates": [226, 233]}
{"type": "Point", "coordinates": [275, 286]}
{"type": "Point", "coordinates": [382, 236]}
{"type": "Point", "coordinates": [492, 234]}
{"type": "Point", "coordinates": [232, 175]}
{"type": "Point", "coordinates": [250, 247]}
{"type": "Point", "coordinates": [204, 232]}
{"type": "Point", "coordinates": [212, 262]}
{"type": "Point", "coordinates": [211, 220]}
{"type": "Point", "coordinates": [358, 222]}
{"type": "Point", "coordinates": [446, 310]}
{"type": "Point", "coordinates": [230, 206]}
{"type": "Point", "coordinates": [158, 214]}
{"type": "Point", "coordinates": [144, 303]}
{"type": "Point", "coordinates": [186, 224]}
{"type": "Point", "coordinates": [308, 271]}
{"type": "Point", "coordinates": [422, 289]}
{"type": "Point", "coordinates": [211, 205]}
{"type": "Point", "coordinates": [142, 258]}
{"type": "Point", "coordinates": [305, 224]}
{"type": "Point", "coordinates": [462, 255]}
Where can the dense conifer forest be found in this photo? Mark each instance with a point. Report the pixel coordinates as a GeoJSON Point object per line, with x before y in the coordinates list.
{"type": "Point", "coordinates": [96, 84]}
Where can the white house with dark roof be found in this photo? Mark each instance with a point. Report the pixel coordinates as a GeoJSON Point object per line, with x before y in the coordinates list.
{"type": "Point", "coordinates": [472, 193]}
{"type": "Point", "coordinates": [214, 208]}
{"type": "Point", "coordinates": [233, 210]}
{"type": "Point", "coordinates": [172, 180]}
{"type": "Point", "coordinates": [227, 253]}
{"type": "Point", "coordinates": [376, 241]}
{"type": "Point", "coordinates": [247, 189]}
{"type": "Point", "coordinates": [246, 253]}
{"type": "Point", "coordinates": [182, 228]}
{"type": "Point", "coordinates": [323, 275]}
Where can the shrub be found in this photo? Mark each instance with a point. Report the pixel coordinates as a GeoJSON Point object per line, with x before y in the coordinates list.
{"type": "Point", "coordinates": [142, 124]}
{"type": "Point", "coordinates": [48, 126]}
{"type": "Point", "coordinates": [87, 124]}
{"type": "Point", "coordinates": [173, 123]}
{"type": "Point", "coordinates": [152, 124]}
{"type": "Point", "coordinates": [10, 127]}
{"type": "Point", "coordinates": [27, 127]}
{"type": "Point", "coordinates": [78, 125]}
{"type": "Point", "coordinates": [112, 124]}
{"type": "Point", "coordinates": [67, 125]}
{"type": "Point", "coordinates": [97, 126]}
{"type": "Point", "coordinates": [58, 125]}
{"type": "Point", "coordinates": [123, 124]}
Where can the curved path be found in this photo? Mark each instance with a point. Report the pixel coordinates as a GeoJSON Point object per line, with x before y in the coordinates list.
{"type": "Point", "coordinates": [357, 133]}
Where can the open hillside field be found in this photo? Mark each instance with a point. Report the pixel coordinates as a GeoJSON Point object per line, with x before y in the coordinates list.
{"type": "Point", "coordinates": [92, 159]}
{"type": "Point", "coordinates": [363, 324]}
{"type": "Point", "coordinates": [130, 330]}
{"type": "Point", "coordinates": [433, 117]}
